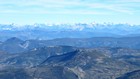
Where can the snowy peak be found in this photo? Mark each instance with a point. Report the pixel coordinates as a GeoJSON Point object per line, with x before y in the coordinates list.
{"type": "Point", "coordinates": [47, 31]}
{"type": "Point", "coordinates": [78, 26]}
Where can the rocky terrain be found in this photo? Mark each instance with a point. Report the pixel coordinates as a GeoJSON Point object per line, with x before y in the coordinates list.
{"type": "Point", "coordinates": [41, 60]}
{"type": "Point", "coordinates": [131, 75]}
{"type": "Point", "coordinates": [96, 63]}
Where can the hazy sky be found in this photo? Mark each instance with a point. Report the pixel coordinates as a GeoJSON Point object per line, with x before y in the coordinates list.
{"type": "Point", "coordinates": [69, 11]}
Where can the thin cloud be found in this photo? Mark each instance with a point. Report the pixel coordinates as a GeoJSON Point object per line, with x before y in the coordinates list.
{"type": "Point", "coordinates": [61, 5]}
{"type": "Point", "coordinates": [126, 1]}
{"type": "Point", "coordinates": [47, 6]}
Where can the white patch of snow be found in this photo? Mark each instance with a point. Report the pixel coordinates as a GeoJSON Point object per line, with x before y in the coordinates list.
{"type": "Point", "coordinates": [34, 49]}
{"type": "Point", "coordinates": [7, 28]}
{"type": "Point", "coordinates": [25, 45]}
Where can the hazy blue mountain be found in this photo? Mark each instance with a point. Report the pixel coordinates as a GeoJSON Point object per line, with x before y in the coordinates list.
{"type": "Point", "coordinates": [12, 45]}
{"type": "Point", "coordinates": [125, 42]}
{"type": "Point", "coordinates": [44, 31]}
{"type": "Point", "coordinates": [16, 45]}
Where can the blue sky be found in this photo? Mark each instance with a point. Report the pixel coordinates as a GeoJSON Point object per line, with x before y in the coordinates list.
{"type": "Point", "coordinates": [69, 11]}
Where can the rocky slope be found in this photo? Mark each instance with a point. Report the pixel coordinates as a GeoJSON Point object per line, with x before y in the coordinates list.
{"type": "Point", "coordinates": [65, 62]}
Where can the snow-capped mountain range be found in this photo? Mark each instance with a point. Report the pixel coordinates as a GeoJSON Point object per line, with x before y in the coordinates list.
{"type": "Point", "coordinates": [51, 31]}
{"type": "Point", "coordinates": [78, 26]}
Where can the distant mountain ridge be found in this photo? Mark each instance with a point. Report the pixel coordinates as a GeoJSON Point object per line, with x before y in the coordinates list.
{"type": "Point", "coordinates": [16, 45]}
{"type": "Point", "coordinates": [44, 31]}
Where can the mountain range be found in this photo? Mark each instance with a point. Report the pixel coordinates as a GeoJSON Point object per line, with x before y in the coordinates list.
{"type": "Point", "coordinates": [69, 51]}
{"type": "Point", "coordinates": [16, 45]}
{"type": "Point", "coordinates": [47, 31]}
{"type": "Point", "coordinates": [78, 63]}
{"type": "Point", "coordinates": [70, 58]}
